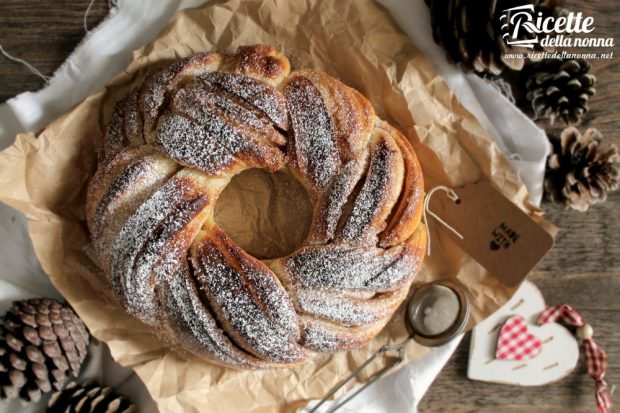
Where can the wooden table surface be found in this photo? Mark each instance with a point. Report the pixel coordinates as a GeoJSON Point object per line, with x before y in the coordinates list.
{"type": "Point", "coordinates": [582, 270]}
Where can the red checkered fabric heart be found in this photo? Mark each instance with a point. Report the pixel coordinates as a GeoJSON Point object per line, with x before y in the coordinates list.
{"type": "Point", "coordinates": [514, 341]}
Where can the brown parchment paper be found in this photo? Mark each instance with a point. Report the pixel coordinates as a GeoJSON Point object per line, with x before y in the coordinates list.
{"type": "Point", "coordinates": [357, 41]}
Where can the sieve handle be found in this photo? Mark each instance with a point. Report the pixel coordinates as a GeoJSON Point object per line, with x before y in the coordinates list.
{"type": "Point", "coordinates": [400, 351]}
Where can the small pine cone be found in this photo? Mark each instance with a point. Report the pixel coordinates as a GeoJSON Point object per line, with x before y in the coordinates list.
{"type": "Point", "coordinates": [560, 89]}
{"type": "Point", "coordinates": [472, 33]}
{"type": "Point", "coordinates": [42, 343]}
{"type": "Point", "coordinates": [581, 171]}
{"type": "Point", "coordinates": [89, 398]}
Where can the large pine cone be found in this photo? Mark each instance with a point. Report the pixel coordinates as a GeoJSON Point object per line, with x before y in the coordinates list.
{"type": "Point", "coordinates": [472, 32]}
{"type": "Point", "coordinates": [581, 170]}
{"type": "Point", "coordinates": [89, 398]}
{"type": "Point", "coordinates": [560, 89]}
{"type": "Point", "coordinates": [43, 342]}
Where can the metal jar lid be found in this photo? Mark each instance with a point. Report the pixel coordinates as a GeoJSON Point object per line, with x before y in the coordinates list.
{"type": "Point", "coordinates": [437, 296]}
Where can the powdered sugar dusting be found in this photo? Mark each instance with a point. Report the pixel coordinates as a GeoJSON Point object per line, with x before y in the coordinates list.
{"type": "Point", "coordinates": [371, 199]}
{"type": "Point", "coordinates": [314, 150]}
{"type": "Point", "coordinates": [323, 340]}
{"type": "Point", "coordinates": [192, 319]}
{"type": "Point", "coordinates": [187, 143]}
{"type": "Point", "coordinates": [142, 175]}
{"type": "Point", "coordinates": [130, 274]}
{"type": "Point", "coordinates": [350, 312]}
{"type": "Point", "coordinates": [154, 92]}
{"type": "Point", "coordinates": [263, 284]}
{"type": "Point", "coordinates": [245, 121]}
{"type": "Point", "coordinates": [217, 101]}
{"type": "Point", "coordinates": [133, 173]}
{"type": "Point", "coordinates": [241, 312]}
{"type": "Point", "coordinates": [325, 337]}
{"type": "Point", "coordinates": [163, 253]}
{"type": "Point", "coordinates": [196, 136]}
{"type": "Point", "coordinates": [133, 119]}
{"type": "Point", "coordinates": [342, 266]}
{"type": "Point", "coordinates": [340, 290]}
{"type": "Point", "coordinates": [262, 96]}
{"type": "Point", "coordinates": [334, 199]}
{"type": "Point", "coordinates": [115, 135]}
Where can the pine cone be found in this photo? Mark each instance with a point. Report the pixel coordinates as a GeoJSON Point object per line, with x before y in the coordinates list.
{"type": "Point", "coordinates": [560, 89]}
{"type": "Point", "coordinates": [43, 342]}
{"type": "Point", "coordinates": [581, 171]}
{"type": "Point", "coordinates": [89, 398]}
{"type": "Point", "coordinates": [472, 34]}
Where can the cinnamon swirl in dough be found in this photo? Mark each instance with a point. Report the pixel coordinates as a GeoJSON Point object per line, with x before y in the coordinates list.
{"type": "Point", "coordinates": [172, 146]}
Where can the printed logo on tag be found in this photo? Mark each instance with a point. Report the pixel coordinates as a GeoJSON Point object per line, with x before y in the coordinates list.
{"type": "Point", "coordinates": [503, 237]}
{"type": "Point", "coordinates": [496, 233]}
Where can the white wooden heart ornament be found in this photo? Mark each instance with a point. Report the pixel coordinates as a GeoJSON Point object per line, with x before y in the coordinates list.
{"type": "Point", "coordinates": [557, 358]}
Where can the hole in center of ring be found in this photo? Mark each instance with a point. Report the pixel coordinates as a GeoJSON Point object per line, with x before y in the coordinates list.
{"type": "Point", "coordinates": [267, 214]}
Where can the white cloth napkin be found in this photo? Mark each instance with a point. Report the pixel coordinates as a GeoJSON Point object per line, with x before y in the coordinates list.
{"type": "Point", "coordinates": [525, 144]}
{"type": "Point", "coordinates": [105, 51]}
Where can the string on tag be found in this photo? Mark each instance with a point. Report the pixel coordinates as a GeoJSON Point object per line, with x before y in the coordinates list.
{"type": "Point", "coordinates": [24, 63]}
{"type": "Point", "coordinates": [111, 5]}
{"type": "Point", "coordinates": [427, 210]}
{"type": "Point", "coordinates": [90, 5]}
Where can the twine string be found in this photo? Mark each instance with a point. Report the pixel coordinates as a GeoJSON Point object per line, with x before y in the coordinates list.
{"type": "Point", "coordinates": [24, 63]}
{"type": "Point", "coordinates": [112, 4]}
{"type": "Point", "coordinates": [427, 211]}
{"type": "Point", "coordinates": [90, 6]}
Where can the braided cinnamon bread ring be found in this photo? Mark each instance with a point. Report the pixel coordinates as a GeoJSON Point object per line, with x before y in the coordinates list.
{"type": "Point", "coordinates": [172, 146]}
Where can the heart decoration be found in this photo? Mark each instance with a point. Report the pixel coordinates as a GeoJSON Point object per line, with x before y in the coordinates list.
{"type": "Point", "coordinates": [493, 245]}
{"type": "Point", "coordinates": [557, 355]}
{"type": "Point", "coordinates": [515, 342]}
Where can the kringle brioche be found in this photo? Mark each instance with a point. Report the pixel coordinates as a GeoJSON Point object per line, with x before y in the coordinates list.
{"type": "Point", "coordinates": [171, 147]}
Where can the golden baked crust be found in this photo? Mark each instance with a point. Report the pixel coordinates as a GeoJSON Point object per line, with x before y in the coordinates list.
{"type": "Point", "coordinates": [171, 147]}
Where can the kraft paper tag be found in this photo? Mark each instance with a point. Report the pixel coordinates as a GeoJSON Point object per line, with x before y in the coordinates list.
{"type": "Point", "coordinates": [496, 233]}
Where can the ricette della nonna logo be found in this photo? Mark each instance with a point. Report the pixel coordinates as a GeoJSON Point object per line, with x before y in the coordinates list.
{"type": "Point", "coordinates": [525, 27]}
